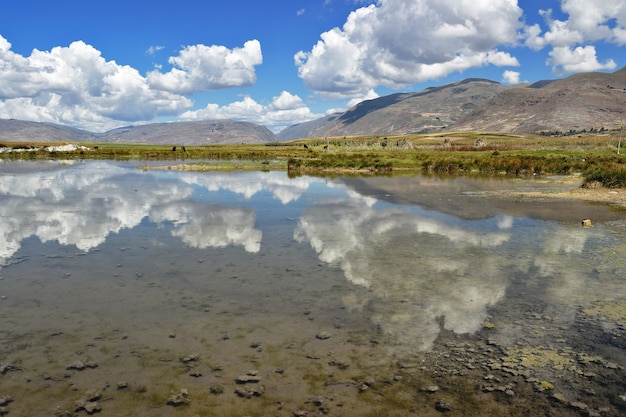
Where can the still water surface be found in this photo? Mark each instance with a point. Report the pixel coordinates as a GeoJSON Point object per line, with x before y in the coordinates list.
{"type": "Point", "coordinates": [132, 292]}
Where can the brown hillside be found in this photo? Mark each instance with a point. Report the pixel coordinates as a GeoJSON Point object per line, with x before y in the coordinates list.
{"type": "Point", "coordinates": [580, 102]}
{"type": "Point", "coordinates": [430, 110]}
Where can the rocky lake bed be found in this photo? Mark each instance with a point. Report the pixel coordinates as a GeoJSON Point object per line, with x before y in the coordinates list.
{"type": "Point", "coordinates": [269, 296]}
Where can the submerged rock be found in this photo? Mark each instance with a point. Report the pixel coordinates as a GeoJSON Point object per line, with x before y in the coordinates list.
{"type": "Point", "coordinates": [81, 365]}
{"type": "Point", "coordinates": [323, 335]}
{"type": "Point", "coordinates": [443, 406]}
{"type": "Point", "coordinates": [251, 377]}
{"type": "Point", "coordinates": [189, 358]}
{"type": "Point", "coordinates": [178, 398]}
{"type": "Point", "coordinates": [250, 391]}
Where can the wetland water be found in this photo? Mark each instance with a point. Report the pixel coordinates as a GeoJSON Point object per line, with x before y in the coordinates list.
{"type": "Point", "coordinates": [127, 292]}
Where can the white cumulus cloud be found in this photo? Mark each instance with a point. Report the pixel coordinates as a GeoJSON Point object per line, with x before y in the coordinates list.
{"type": "Point", "coordinates": [394, 43]}
{"type": "Point", "coordinates": [580, 59]}
{"type": "Point", "coordinates": [598, 20]}
{"type": "Point", "coordinates": [206, 68]}
{"type": "Point", "coordinates": [511, 77]}
{"type": "Point", "coordinates": [572, 40]}
{"type": "Point", "coordinates": [75, 85]}
{"type": "Point", "coordinates": [284, 110]}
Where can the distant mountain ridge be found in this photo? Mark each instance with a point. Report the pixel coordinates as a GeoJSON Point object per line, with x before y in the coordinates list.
{"type": "Point", "coordinates": [200, 132]}
{"type": "Point", "coordinates": [430, 110]}
{"type": "Point", "coordinates": [579, 102]}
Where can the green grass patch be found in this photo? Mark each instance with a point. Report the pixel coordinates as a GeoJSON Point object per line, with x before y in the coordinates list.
{"type": "Point", "coordinates": [482, 153]}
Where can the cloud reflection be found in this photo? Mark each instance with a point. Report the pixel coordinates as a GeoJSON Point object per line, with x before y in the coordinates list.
{"type": "Point", "coordinates": [422, 274]}
{"type": "Point", "coordinates": [82, 204]}
{"type": "Point", "coordinates": [202, 226]}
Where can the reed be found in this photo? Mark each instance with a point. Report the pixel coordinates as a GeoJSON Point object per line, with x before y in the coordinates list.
{"type": "Point", "coordinates": [611, 175]}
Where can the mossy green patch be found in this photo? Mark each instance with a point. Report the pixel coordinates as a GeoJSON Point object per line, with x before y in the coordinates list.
{"type": "Point", "coordinates": [614, 311]}
{"type": "Point", "coordinates": [535, 358]}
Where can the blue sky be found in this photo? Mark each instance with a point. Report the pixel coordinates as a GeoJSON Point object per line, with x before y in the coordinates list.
{"type": "Point", "coordinates": [99, 65]}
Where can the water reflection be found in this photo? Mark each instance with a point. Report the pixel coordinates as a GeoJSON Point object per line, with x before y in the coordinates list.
{"type": "Point", "coordinates": [267, 244]}
{"type": "Point", "coordinates": [418, 269]}
{"type": "Point", "coordinates": [425, 271]}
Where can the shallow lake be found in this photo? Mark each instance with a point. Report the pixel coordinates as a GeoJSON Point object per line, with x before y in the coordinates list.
{"type": "Point", "coordinates": [132, 292]}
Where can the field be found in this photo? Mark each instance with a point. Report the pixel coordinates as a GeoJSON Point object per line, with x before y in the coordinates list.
{"type": "Point", "coordinates": [596, 156]}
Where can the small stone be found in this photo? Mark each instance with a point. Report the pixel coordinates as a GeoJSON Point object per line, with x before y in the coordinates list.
{"type": "Point", "coordinates": [216, 389]}
{"type": "Point", "coordinates": [92, 395]}
{"type": "Point", "coordinates": [510, 393]}
{"type": "Point", "coordinates": [122, 385]}
{"type": "Point", "coordinates": [251, 377]}
{"type": "Point", "coordinates": [431, 389]}
{"type": "Point", "coordinates": [194, 357]}
{"type": "Point", "coordinates": [178, 398]}
{"type": "Point", "coordinates": [249, 392]}
{"type": "Point", "coordinates": [92, 407]}
{"type": "Point", "coordinates": [80, 365]}
{"type": "Point", "coordinates": [76, 365]}
{"type": "Point", "coordinates": [443, 406]}
{"type": "Point", "coordinates": [341, 364]}
{"type": "Point", "coordinates": [172, 335]}
{"type": "Point", "coordinates": [323, 336]}
{"type": "Point", "coordinates": [577, 405]}
{"type": "Point", "coordinates": [317, 401]}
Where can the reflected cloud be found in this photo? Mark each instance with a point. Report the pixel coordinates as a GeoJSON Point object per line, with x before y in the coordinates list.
{"type": "Point", "coordinates": [283, 188]}
{"type": "Point", "coordinates": [426, 271]}
{"type": "Point", "coordinates": [82, 204]}
{"type": "Point", "coordinates": [422, 274]}
{"type": "Point", "coordinates": [202, 226]}
{"type": "Point", "coordinates": [422, 271]}
{"type": "Point", "coordinates": [505, 222]}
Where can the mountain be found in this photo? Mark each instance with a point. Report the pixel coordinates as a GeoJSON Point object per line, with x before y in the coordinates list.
{"type": "Point", "coordinates": [184, 133]}
{"type": "Point", "coordinates": [200, 132]}
{"type": "Point", "coordinates": [579, 102]}
{"type": "Point", "coordinates": [430, 110]}
{"type": "Point", "coordinates": [306, 129]}
{"type": "Point", "coordinates": [13, 130]}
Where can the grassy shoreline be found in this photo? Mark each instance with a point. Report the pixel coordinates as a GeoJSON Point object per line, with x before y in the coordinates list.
{"type": "Point", "coordinates": [595, 157]}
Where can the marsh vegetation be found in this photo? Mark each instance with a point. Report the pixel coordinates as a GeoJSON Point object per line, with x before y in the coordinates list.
{"type": "Point", "coordinates": [593, 155]}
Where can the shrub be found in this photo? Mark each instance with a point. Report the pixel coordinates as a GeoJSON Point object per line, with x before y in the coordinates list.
{"type": "Point", "coordinates": [610, 175]}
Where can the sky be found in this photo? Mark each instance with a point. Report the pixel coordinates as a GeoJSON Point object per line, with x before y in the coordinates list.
{"type": "Point", "coordinates": [99, 65]}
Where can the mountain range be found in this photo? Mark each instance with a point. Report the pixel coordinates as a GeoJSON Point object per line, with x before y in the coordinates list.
{"type": "Point", "coordinates": [580, 102]}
